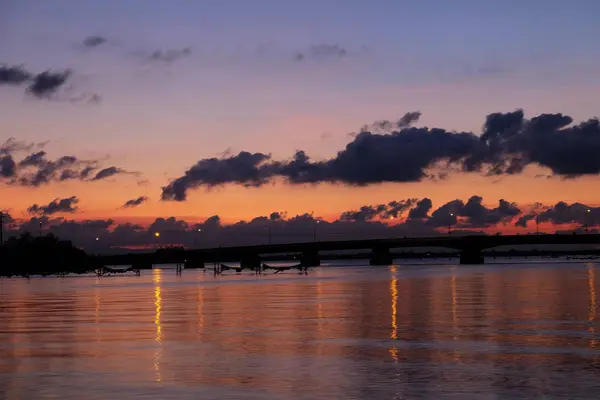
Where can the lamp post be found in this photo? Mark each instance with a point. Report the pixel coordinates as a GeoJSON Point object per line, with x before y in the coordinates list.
{"type": "Point", "coordinates": [315, 230]}
{"type": "Point", "coordinates": [199, 230]}
{"type": "Point", "coordinates": [588, 213]}
{"type": "Point", "coordinates": [537, 223]}
{"type": "Point", "coordinates": [40, 232]}
{"type": "Point", "coordinates": [450, 224]}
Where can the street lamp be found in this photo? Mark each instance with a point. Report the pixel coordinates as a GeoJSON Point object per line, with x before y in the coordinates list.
{"type": "Point", "coordinates": [587, 215]}
{"type": "Point", "coordinates": [450, 224]}
{"type": "Point", "coordinates": [199, 230]}
{"type": "Point", "coordinates": [537, 223]}
{"type": "Point", "coordinates": [315, 230]}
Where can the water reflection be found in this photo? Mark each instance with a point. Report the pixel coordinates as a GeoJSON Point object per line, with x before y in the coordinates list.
{"type": "Point", "coordinates": [394, 295]}
{"type": "Point", "coordinates": [502, 331]}
{"type": "Point", "coordinates": [156, 278]}
{"type": "Point", "coordinates": [591, 270]}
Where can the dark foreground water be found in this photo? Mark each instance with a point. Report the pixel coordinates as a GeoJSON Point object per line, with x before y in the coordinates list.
{"type": "Point", "coordinates": [424, 331]}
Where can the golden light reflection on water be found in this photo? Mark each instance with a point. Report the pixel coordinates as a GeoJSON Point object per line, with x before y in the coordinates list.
{"type": "Point", "coordinates": [200, 310]}
{"type": "Point", "coordinates": [260, 339]}
{"type": "Point", "coordinates": [158, 337]}
{"type": "Point", "coordinates": [319, 286]}
{"type": "Point", "coordinates": [97, 314]}
{"type": "Point", "coordinates": [591, 272]}
{"type": "Point", "coordinates": [455, 354]}
{"type": "Point", "coordinates": [454, 303]}
{"type": "Point", "coordinates": [394, 295]}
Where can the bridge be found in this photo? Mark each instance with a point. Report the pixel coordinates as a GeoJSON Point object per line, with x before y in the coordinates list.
{"type": "Point", "coordinates": [469, 248]}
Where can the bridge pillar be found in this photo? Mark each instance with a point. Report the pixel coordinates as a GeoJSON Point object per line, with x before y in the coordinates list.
{"type": "Point", "coordinates": [250, 261]}
{"type": "Point", "coordinates": [381, 256]}
{"type": "Point", "coordinates": [310, 258]}
{"type": "Point", "coordinates": [471, 256]}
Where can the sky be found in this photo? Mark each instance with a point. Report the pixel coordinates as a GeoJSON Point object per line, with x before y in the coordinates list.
{"type": "Point", "coordinates": [195, 108]}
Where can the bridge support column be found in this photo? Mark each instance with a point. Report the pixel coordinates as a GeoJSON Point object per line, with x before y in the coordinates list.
{"type": "Point", "coordinates": [471, 256]}
{"type": "Point", "coordinates": [310, 259]}
{"type": "Point", "coordinates": [381, 256]}
{"type": "Point", "coordinates": [250, 261]}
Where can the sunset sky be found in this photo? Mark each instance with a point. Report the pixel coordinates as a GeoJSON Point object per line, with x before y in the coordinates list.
{"type": "Point", "coordinates": [157, 86]}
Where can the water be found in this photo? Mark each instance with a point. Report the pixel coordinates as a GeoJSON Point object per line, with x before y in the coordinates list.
{"type": "Point", "coordinates": [421, 331]}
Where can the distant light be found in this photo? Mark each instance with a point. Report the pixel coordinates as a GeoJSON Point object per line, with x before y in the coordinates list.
{"type": "Point", "coordinates": [199, 229]}
{"type": "Point", "coordinates": [157, 234]}
{"type": "Point", "coordinates": [97, 238]}
{"type": "Point", "coordinates": [588, 210]}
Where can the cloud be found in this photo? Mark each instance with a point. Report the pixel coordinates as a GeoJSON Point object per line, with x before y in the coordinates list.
{"type": "Point", "coordinates": [169, 56]}
{"type": "Point", "coordinates": [94, 41]}
{"type": "Point", "coordinates": [8, 167]}
{"type": "Point", "coordinates": [47, 83]}
{"type": "Point", "coordinates": [107, 173]}
{"type": "Point", "coordinates": [469, 217]}
{"type": "Point", "coordinates": [13, 75]}
{"type": "Point", "coordinates": [321, 52]}
{"type": "Point", "coordinates": [393, 209]}
{"type": "Point", "coordinates": [421, 210]}
{"type": "Point", "coordinates": [35, 169]}
{"type": "Point", "coordinates": [398, 152]}
{"type": "Point", "coordinates": [479, 216]}
{"type": "Point", "coordinates": [523, 221]}
{"type": "Point", "coordinates": [13, 145]}
{"type": "Point", "coordinates": [564, 213]}
{"type": "Point", "coordinates": [66, 205]}
{"type": "Point", "coordinates": [42, 85]}
{"type": "Point", "coordinates": [135, 202]}
{"type": "Point", "coordinates": [248, 169]}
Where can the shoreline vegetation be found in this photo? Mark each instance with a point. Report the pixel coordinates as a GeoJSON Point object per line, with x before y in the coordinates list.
{"type": "Point", "coordinates": [43, 255]}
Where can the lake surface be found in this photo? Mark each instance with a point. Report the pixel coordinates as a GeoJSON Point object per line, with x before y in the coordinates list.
{"type": "Point", "coordinates": [513, 331]}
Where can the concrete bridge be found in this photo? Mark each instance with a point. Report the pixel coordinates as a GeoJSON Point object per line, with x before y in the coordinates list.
{"type": "Point", "coordinates": [469, 249]}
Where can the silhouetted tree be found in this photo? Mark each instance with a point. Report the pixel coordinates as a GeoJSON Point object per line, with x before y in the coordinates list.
{"type": "Point", "coordinates": [28, 255]}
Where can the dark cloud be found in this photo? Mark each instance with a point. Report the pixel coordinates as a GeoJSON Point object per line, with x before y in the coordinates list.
{"type": "Point", "coordinates": [393, 209]}
{"type": "Point", "coordinates": [93, 41]}
{"type": "Point", "coordinates": [244, 168]}
{"type": "Point", "coordinates": [13, 75]}
{"type": "Point", "coordinates": [575, 213]}
{"type": "Point", "coordinates": [8, 167]}
{"type": "Point", "coordinates": [421, 210]}
{"type": "Point", "coordinates": [107, 173]}
{"type": "Point", "coordinates": [523, 221]}
{"type": "Point", "coordinates": [47, 83]}
{"type": "Point", "coordinates": [322, 52]}
{"type": "Point", "coordinates": [170, 56]}
{"type": "Point", "coordinates": [397, 152]}
{"type": "Point", "coordinates": [135, 202]}
{"type": "Point", "coordinates": [479, 216]}
{"type": "Point", "coordinates": [35, 169]}
{"type": "Point", "coordinates": [67, 205]}
{"type": "Point", "coordinates": [34, 159]}
{"type": "Point", "coordinates": [13, 145]}
{"type": "Point", "coordinates": [386, 126]}
{"type": "Point", "coordinates": [43, 85]}
{"type": "Point", "coordinates": [468, 218]}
